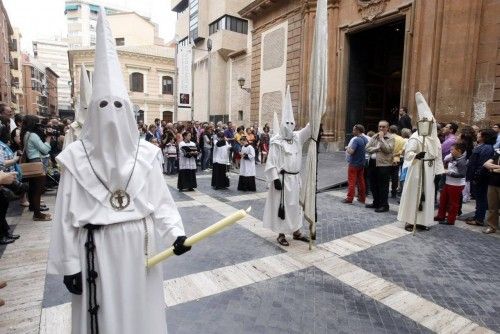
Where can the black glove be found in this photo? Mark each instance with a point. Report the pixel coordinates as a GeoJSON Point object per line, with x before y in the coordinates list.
{"type": "Point", "coordinates": [420, 155]}
{"type": "Point", "coordinates": [179, 247]}
{"type": "Point", "coordinates": [277, 184]}
{"type": "Point", "coordinates": [74, 283]}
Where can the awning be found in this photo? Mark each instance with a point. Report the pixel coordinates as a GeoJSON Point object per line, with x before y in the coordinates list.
{"type": "Point", "coordinates": [94, 8]}
{"type": "Point", "coordinates": [70, 7]}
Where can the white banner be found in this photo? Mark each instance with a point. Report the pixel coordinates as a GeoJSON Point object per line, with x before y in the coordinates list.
{"type": "Point", "coordinates": [184, 63]}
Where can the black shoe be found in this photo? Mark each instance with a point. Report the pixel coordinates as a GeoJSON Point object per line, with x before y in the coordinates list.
{"type": "Point", "coordinates": [443, 222]}
{"type": "Point", "coordinates": [382, 209]}
{"type": "Point", "coordinates": [6, 241]}
{"type": "Point", "coordinates": [370, 206]}
{"type": "Point", "coordinates": [42, 208]}
{"type": "Point", "coordinates": [409, 227]}
{"type": "Point", "coordinates": [13, 236]}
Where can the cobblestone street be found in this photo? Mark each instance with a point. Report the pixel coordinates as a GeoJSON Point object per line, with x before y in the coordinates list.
{"type": "Point", "coordinates": [367, 274]}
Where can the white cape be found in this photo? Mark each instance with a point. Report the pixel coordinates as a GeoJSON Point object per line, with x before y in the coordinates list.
{"type": "Point", "coordinates": [130, 297]}
{"type": "Point", "coordinates": [283, 155]}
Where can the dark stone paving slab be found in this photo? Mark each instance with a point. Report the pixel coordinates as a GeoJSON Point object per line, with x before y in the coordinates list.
{"type": "Point", "coordinates": [256, 204]}
{"type": "Point", "coordinates": [452, 267]}
{"type": "Point", "coordinates": [55, 292]}
{"type": "Point", "coordinates": [230, 246]}
{"type": "Point", "coordinates": [332, 169]}
{"type": "Point", "coordinates": [336, 220]}
{"type": "Point", "coordinates": [306, 301]}
{"type": "Point", "coordinates": [204, 185]}
{"type": "Point", "coordinates": [177, 195]}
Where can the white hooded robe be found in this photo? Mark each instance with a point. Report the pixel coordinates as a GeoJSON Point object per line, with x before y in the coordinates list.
{"type": "Point", "coordinates": [411, 196]}
{"type": "Point", "coordinates": [130, 298]}
{"type": "Point", "coordinates": [285, 156]}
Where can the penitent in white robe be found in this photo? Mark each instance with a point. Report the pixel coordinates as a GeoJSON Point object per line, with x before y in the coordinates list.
{"type": "Point", "coordinates": [287, 156]}
{"type": "Point", "coordinates": [410, 196]}
{"type": "Point", "coordinates": [130, 297]}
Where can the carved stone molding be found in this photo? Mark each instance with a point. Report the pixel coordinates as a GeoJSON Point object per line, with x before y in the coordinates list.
{"type": "Point", "coordinates": [370, 9]}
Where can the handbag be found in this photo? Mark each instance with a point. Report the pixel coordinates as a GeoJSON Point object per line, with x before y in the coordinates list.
{"type": "Point", "coordinates": [31, 169]}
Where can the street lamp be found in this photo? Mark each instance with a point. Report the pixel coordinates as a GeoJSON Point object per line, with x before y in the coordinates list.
{"type": "Point", "coordinates": [241, 82]}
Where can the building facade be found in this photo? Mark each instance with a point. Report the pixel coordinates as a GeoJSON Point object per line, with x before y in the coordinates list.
{"type": "Point", "coordinates": [6, 32]}
{"type": "Point", "coordinates": [81, 17]}
{"type": "Point", "coordinates": [147, 65]}
{"type": "Point", "coordinates": [148, 72]}
{"type": "Point", "coordinates": [380, 53]}
{"type": "Point", "coordinates": [53, 94]}
{"type": "Point", "coordinates": [217, 37]}
{"type": "Point", "coordinates": [39, 88]}
{"type": "Point", "coordinates": [17, 73]}
{"type": "Point", "coordinates": [54, 54]}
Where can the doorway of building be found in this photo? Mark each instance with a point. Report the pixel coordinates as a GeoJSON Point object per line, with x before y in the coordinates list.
{"type": "Point", "coordinates": [168, 116]}
{"type": "Point", "coordinates": [374, 77]}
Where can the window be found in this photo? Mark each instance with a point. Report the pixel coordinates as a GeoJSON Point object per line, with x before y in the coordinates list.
{"type": "Point", "coordinates": [167, 85]}
{"type": "Point", "coordinates": [137, 82]}
{"type": "Point", "coordinates": [14, 45]}
{"type": "Point", "coordinates": [183, 42]}
{"type": "Point", "coordinates": [120, 41]}
{"type": "Point", "coordinates": [240, 115]}
{"type": "Point", "coordinates": [193, 19]}
{"type": "Point", "coordinates": [229, 23]}
{"type": "Point", "coordinates": [15, 64]}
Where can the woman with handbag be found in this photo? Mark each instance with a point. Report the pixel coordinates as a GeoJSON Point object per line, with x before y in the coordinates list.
{"type": "Point", "coordinates": [33, 151]}
{"type": "Point", "coordinates": [8, 190]}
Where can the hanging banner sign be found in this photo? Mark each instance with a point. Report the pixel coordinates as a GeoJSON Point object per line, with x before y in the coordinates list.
{"type": "Point", "coordinates": [184, 66]}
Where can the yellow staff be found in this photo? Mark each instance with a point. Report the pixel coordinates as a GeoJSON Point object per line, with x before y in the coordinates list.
{"type": "Point", "coordinates": [211, 230]}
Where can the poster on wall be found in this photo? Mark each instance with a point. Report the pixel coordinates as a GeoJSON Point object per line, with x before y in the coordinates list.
{"type": "Point", "coordinates": [184, 63]}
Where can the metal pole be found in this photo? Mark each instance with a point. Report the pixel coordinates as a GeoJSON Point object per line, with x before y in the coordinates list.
{"type": "Point", "coordinates": [192, 81]}
{"type": "Point", "coordinates": [208, 86]}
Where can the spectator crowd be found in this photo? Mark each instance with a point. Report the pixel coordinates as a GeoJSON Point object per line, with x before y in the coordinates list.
{"type": "Point", "coordinates": [471, 157]}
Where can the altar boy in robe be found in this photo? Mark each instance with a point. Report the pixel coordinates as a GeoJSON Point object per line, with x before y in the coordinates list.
{"type": "Point", "coordinates": [246, 182]}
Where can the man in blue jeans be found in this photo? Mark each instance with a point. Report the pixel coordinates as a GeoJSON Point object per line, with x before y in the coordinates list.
{"type": "Point", "coordinates": [356, 159]}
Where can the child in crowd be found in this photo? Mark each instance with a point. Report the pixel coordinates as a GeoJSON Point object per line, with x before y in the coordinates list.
{"type": "Point", "coordinates": [170, 154]}
{"type": "Point", "coordinates": [246, 181]}
{"type": "Point", "coordinates": [220, 162]}
{"type": "Point", "coordinates": [449, 200]}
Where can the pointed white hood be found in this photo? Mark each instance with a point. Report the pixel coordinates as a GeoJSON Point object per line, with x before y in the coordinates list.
{"type": "Point", "coordinates": [432, 143]}
{"type": "Point", "coordinates": [85, 95]}
{"type": "Point", "coordinates": [287, 120]}
{"type": "Point", "coordinates": [110, 132]}
{"type": "Point", "coordinates": [276, 124]}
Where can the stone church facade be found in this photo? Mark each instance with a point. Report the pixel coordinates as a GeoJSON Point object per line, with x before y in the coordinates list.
{"type": "Point", "coordinates": [380, 53]}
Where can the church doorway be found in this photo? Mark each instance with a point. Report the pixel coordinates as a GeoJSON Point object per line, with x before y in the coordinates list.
{"type": "Point", "coordinates": [374, 75]}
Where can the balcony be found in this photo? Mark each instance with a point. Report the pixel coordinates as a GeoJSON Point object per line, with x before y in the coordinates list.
{"type": "Point", "coordinates": [226, 42]}
{"type": "Point", "coordinates": [179, 5]}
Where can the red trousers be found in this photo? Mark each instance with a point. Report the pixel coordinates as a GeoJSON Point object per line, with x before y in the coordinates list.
{"type": "Point", "coordinates": [449, 201]}
{"type": "Point", "coordinates": [355, 175]}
